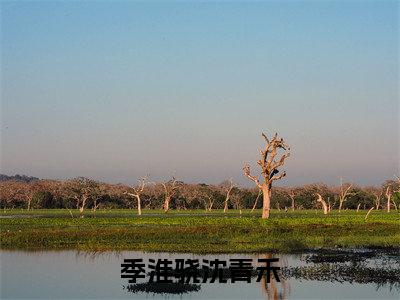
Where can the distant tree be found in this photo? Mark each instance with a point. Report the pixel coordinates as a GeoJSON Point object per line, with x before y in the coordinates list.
{"type": "Point", "coordinates": [343, 193]}
{"type": "Point", "coordinates": [391, 187]}
{"type": "Point", "coordinates": [116, 196]}
{"type": "Point", "coordinates": [376, 193]}
{"type": "Point", "coordinates": [323, 203]}
{"type": "Point", "coordinates": [205, 194]}
{"type": "Point", "coordinates": [17, 177]}
{"type": "Point", "coordinates": [306, 196]}
{"type": "Point", "coordinates": [360, 198]}
{"type": "Point", "coordinates": [227, 186]}
{"type": "Point", "coordinates": [256, 201]}
{"type": "Point", "coordinates": [292, 195]}
{"type": "Point", "coordinates": [13, 193]}
{"type": "Point", "coordinates": [396, 194]}
{"type": "Point", "coordinates": [138, 191]}
{"type": "Point", "coordinates": [82, 190]}
{"type": "Point", "coordinates": [280, 197]}
{"type": "Point", "coordinates": [43, 199]}
{"type": "Point", "coordinates": [170, 189]}
{"type": "Point", "coordinates": [269, 169]}
{"type": "Point", "coordinates": [238, 199]}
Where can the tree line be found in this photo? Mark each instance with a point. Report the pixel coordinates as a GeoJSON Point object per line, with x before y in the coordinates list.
{"type": "Point", "coordinates": [84, 193]}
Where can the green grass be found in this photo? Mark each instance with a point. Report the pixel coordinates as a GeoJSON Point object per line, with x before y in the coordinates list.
{"type": "Point", "coordinates": [197, 231]}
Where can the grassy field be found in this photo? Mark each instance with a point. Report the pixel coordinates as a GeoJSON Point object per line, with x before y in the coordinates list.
{"type": "Point", "coordinates": [196, 231]}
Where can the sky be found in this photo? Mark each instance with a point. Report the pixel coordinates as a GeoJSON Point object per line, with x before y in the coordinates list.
{"type": "Point", "coordinates": [118, 90]}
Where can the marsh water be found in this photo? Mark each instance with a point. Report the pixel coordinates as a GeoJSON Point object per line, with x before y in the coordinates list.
{"type": "Point", "coordinates": [314, 275]}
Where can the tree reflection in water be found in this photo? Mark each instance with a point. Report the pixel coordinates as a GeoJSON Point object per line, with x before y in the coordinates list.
{"type": "Point", "coordinates": [162, 288]}
{"type": "Point", "coordinates": [367, 266]}
{"type": "Point", "coordinates": [275, 290]}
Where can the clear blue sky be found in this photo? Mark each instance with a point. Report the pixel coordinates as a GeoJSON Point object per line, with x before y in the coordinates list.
{"type": "Point", "coordinates": [117, 90]}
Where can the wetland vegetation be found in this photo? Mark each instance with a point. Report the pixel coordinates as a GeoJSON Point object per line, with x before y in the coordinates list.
{"type": "Point", "coordinates": [197, 231]}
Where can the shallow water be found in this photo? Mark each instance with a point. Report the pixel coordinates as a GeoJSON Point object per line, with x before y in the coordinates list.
{"type": "Point", "coordinates": [82, 275]}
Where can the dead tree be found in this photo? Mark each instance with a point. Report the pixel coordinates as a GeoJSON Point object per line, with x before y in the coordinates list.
{"type": "Point", "coordinates": [392, 192]}
{"type": "Point", "coordinates": [228, 194]}
{"type": "Point", "coordinates": [255, 202]}
{"type": "Point", "coordinates": [34, 188]}
{"type": "Point", "coordinates": [237, 202]}
{"type": "Point", "coordinates": [96, 194]}
{"type": "Point", "coordinates": [343, 193]}
{"type": "Point", "coordinates": [137, 192]}
{"type": "Point", "coordinates": [269, 169]}
{"type": "Point", "coordinates": [324, 205]}
{"type": "Point", "coordinates": [396, 193]}
{"type": "Point", "coordinates": [369, 211]}
{"type": "Point", "coordinates": [208, 202]}
{"type": "Point", "coordinates": [82, 190]}
{"type": "Point", "coordinates": [13, 190]}
{"type": "Point", "coordinates": [170, 188]}
{"type": "Point", "coordinates": [331, 206]}
{"type": "Point", "coordinates": [292, 195]}
{"type": "Point", "coordinates": [378, 195]}
{"type": "Point", "coordinates": [388, 194]}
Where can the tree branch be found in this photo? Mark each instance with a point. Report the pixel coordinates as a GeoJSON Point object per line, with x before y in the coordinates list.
{"type": "Point", "coordinates": [276, 177]}
{"type": "Point", "coordinates": [246, 172]}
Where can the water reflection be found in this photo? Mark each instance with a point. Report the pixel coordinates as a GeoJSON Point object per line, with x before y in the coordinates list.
{"type": "Point", "coordinates": [367, 266]}
{"type": "Point", "coordinates": [331, 274]}
{"type": "Point", "coordinates": [162, 288]}
{"type": "Point", "coordinates": [274, 289]}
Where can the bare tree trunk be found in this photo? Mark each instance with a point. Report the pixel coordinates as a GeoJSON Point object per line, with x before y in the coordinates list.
{"type": "Point", "coordinates": [170, 188]}
{"type": "Point", "coordinates": [166, 203]}
{"type": "Point", "coordinates": [70, 212]}
{"type": "Point", "coordinates": [358, 206]}
{"type": "Point", "coordinates": [95, 205]}
{"type": "Point", "coordinates": [366, 216]}
{"type": "Point", "coordinates": [139, 205]}
{"type": "Point", "coordinates": [343, 193]}
{"type": "Point", "coordinates": [324, 205]}
{"type": "Point", "coordinates": [266, 202]}
{"type": "Point", "coordinates": [29, 203]}
{"type": "Point", "coordinates": [254, 206]}
{"type": "Point", "coordinates": [228, 195]}
{"type": "Point", "coordinates": [226, 205]}
{"type": "Point", "coordinates": [378, 201]}
{"type": "Point", "coordinates": [208, 204]}
{"type": "Point", "coordinates": [255, 203]}
{"type": "Point", "coordinates": [139, 202]}
{"type": "Point", "coordinates": [389, 197]}
{"type": "Point", "coordinates": [83, 204]}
